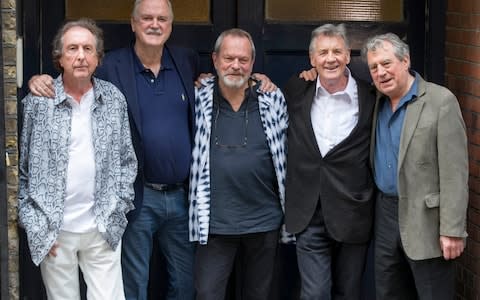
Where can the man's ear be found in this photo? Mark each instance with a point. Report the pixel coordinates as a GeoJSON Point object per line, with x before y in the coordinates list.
{"type": "Point", "coordinates": [214, 59]}
{"type": "Point", "coordinates": [406, 61]}
{"type": "Point", "coordinates": [131, 24]}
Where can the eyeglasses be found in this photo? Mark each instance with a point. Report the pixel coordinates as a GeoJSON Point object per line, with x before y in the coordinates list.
{"type": "Point", "coordinates": [242, 145]}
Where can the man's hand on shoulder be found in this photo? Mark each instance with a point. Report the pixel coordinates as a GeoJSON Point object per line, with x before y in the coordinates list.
{"type": "Point", "coordinates": [266, 85]}
{"type": "Point", "coordinates": [42, 85]}
{"type": "Point", "coordinates": [308, 75]}
{"type": "Point", "coordinates": [452, 247]}
{"type": "Point", "coordinates": [201, 77]}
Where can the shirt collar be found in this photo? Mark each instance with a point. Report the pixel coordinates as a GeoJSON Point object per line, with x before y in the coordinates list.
{"type": "Point", "coordinates": [87, 99]}
{"type": "Point", "coordinates": [412, 92]}
{"type": "Point", "coordinates": [166, 63]}
{"type": "Point", "coordinates": [61, 95]}
{"type": "Point", "coordinates": [350, 89]}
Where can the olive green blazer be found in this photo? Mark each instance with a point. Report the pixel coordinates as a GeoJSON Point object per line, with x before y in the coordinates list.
{"type": "Point", "coordinates": [432, 171]}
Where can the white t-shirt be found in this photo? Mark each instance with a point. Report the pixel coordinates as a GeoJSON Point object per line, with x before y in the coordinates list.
{"type": "Point", "coordinates": [78, 214]}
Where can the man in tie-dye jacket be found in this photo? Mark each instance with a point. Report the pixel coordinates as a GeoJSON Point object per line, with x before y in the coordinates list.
{"type": "Point", "coordinates": [237, 173]}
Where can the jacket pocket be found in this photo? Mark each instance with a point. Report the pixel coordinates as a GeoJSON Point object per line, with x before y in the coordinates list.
{"type": "Point", "coordinates": [432, 200]}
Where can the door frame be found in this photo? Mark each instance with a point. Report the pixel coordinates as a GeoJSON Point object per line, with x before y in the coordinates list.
{"type": "Point", "coordinates": [435, 41]}
{"type": "Point", "coordinates": [3, 188]}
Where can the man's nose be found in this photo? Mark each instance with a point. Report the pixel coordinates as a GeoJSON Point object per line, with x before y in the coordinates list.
{"type": "Point", "coordinates": [80, 53]}
{"type": "Point", "coordinates": [155, 23]}
{"type": "Point", "coordinates": [330, 56]}
{"type": "Point", "coordinates": [381, 70]}
{"type": "Point", "coordinates": [236, 63]}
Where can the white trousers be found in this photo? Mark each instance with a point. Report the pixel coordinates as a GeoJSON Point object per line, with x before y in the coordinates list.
{"type": "Point", "coordinates": [100, 265]}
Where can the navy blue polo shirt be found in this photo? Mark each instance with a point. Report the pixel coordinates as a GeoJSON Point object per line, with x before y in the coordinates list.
{"type": "Point", "coordinates": [164, 110]}
{"type": "Point", "coordinates": [387, 140]}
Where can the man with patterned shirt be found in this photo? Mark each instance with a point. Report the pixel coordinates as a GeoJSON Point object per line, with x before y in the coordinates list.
{"type": "Point", "coordinates": [237, 173]}
{"type": "Point", "coordinates": [77, 168]}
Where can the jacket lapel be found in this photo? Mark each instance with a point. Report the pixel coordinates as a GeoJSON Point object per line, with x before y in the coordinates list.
{"type": "Point", "coordinates": [362, 91]}
{"type": "Point", "coordinates": [183, 67]}
{"type": "Point", "coordinates": [125, 73]}
{"type": "Point", "coordinates": [412, 116]}
{"type": "Point", "coordinates": [306, 113]}
{"type": "Point", "coordinates": [204, 99]}
{"type": "Point", "coordinates": [373, 132]}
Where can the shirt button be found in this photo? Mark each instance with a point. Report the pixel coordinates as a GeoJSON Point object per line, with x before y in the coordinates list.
{"type": "Point", "coordinates": [152, 80]}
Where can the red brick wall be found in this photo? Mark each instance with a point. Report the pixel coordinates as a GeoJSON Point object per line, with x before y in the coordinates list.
{"type": "Point", "coordinates": [462, 61]}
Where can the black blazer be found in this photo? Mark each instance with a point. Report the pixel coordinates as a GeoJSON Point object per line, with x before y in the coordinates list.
{"type": "Point", "coordinates": [342, 180]}
{"type": "Point", "coordinates": [118, 68]}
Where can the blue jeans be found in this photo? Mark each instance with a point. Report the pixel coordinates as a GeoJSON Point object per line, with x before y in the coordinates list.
{"type": "Point", "coordinates": [164, 214]}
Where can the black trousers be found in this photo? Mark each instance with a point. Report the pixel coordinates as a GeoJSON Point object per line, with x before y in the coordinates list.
{"type": "Point", "coordinates": [328, 269]}
{"type": "Point", "coordinates": [214, 263]}
{"type": "Point", "coordinates": [398, 277]}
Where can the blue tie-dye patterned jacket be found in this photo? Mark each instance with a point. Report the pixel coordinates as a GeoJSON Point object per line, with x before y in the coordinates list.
{"type": "Point", "coordinates": [44, 149]}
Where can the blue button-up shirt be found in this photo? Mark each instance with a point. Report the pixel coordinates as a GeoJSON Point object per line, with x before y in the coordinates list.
{"type": "Point", "coordinates": [388, 134]}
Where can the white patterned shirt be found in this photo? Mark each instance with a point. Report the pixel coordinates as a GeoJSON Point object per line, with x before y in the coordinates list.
{"type": "Point", "coordinates": [44, 157]}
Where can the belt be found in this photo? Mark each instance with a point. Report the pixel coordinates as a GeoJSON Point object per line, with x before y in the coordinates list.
{"type": "Point", "coordinates": [388, 197]}
{"type": "Point", "coordinates": [163, 187]}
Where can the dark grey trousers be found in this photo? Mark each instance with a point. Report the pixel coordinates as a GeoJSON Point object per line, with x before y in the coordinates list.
{"type": "Point", "coordinates": [214, 263]}
{"type": "Point", "coordinates": [396, 276]}
{"type": "Point", "coordinates": [328, 269]}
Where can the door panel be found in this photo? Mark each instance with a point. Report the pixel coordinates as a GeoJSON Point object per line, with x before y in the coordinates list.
{"type": "Point", "coordinates": [283, 46]}
{"type": "Point", "coordinates": [285, 41]}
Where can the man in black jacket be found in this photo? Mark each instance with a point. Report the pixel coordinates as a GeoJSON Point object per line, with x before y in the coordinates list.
{"type": "Point", "coordinates": [329, 186]}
